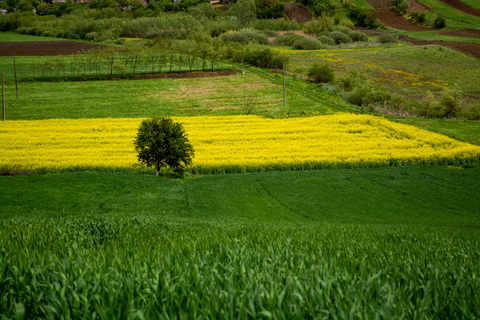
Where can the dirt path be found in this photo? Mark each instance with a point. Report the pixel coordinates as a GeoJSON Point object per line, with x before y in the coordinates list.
{"type": "Point", "coordinates": [471, 49]}
{"type": "Point", "coordinates": [45, 48]}
{"type": "Point", "coordinates": [184, 75]}
{"type": "Point", "coordinates": [462, 7]}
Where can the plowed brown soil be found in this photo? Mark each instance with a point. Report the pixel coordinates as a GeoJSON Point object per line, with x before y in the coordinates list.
{"type": "Point", "coordinates": [462, 7]}
{"type": "Point", "coordinates": [185, 75]}
{"type": "Point", "coordinates": [471, 49]}
{"type": "Point", "coordinates": [294, 11]}
{"type": "Point", "coordinates": [386, 4]}
{"type": "Point", "coordinates": [396, 21]}
{"type": "Point", "coordinates": [45, 48]}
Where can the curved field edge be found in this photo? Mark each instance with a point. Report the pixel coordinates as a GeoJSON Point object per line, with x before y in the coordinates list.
{"type": "Point", "coordinates": [449, 12]}
{"type": "Point", "coordinates": [232, 144]}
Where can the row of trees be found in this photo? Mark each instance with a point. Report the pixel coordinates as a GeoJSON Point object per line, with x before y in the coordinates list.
{"type": "Point", "coordinates": [170, 56]}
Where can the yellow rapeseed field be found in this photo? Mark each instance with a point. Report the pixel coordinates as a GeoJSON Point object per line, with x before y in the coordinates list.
{"type": "Point", "coordinates": [231, 144]}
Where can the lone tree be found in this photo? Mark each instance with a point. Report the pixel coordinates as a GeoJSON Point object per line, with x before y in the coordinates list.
{"type": "Point", "coordinates": [161, 143]}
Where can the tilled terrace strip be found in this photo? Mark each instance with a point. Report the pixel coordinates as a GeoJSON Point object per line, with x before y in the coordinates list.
{"type": "Point", "coordinates": [232, 144]}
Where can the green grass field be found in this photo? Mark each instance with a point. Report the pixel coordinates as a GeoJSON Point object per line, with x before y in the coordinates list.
{"type": "Point", "coordinates": [321, 244]}
{"type": "Point", "coordinates": [451, 13]}
{"type": "Point", "coordinates": [223, 95]}
{"type": "Point", "coordinates": [15, 37]}
{"type": "Point", "coordinates": [383, 243]}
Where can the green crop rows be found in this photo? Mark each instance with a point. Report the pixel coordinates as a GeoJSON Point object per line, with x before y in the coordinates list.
{"type": "Point", "coordinates": [335, 244]}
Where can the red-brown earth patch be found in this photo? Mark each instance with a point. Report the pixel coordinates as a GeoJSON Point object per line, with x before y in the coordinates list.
{"type": "Point", "coordinates": [45, 48]}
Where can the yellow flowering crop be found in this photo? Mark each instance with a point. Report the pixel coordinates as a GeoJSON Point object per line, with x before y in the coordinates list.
{"type": "Point", "coordinates": [231, 144]}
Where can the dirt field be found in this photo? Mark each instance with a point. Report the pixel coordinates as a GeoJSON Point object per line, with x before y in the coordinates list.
{"type": "Point", "coordinates": [471, 49]}
{"type": "Point", "coordinates": [294, 11]}
{"type": "Point", "coordinates": [462, 7]}
{"type": "Point", "coordinates": [195, 74]}
{"type": "Point", "coordinates": [396, 21]}
{"type": "Point", "coordinates": [386, 4]}
{"type": "Point", "coordinates": [45, 48]}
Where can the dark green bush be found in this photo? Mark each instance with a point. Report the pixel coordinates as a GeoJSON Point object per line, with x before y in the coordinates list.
{"type": "Point", "coordinates": [321, 73]}
{"type": "Point", "coordinates": [352, 79]}
{"type": "Point", "coordinates": [270, 33]}
{"type": "Point", "coordinates": [245, 36]}
{"type": "Point", "coordinates": [261, 56]}
{"type": "Point", "coordinates": [439, 22]}
{"type": "Point", "coordinates": [326, 40]}
{"type": "Point", "coordinates": [343, 30]}
{"type": "Point", "coordinates": [288, 39]}
{"type": "Point", "coordinates": [366, 94]}
{"type": "Point", "coordinates": [339, 37]}
{"type": "Point", "coordinates": [308, 44]}
{"type": "Point", "coordinates": [358, 36]}
{"type": "Point", "coordinates": [387, 38]}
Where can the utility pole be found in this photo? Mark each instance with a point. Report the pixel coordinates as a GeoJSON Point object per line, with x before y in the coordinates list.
{"type": "Point", "coordinates": [283, 72]}
{"type": "Point", "coordinates": [15, 71]}
{"type": "Point", "coordinates": [243, 66]}
{"type": "Point", "coordinates": [3, 97]}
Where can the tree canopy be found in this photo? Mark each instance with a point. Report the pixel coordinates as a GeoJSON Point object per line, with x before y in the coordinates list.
{"type": "Point", "coordinates": [163, 143]}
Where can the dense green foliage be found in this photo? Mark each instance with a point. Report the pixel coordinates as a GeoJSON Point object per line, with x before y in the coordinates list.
{"type": "Point", "coordinates": [308, 44]}
{"type": "Point", "coordinates": [321, 72]}
{"type": "Point", "coordinates": [161, 142]}
{"type": "Point", "coordinates": [290, 245]}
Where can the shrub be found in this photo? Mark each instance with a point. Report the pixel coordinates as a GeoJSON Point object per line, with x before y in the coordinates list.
{"type": "Point", "coordinates": [366, 94]}
{"type": "Point", "coordinates": [261, 56]}
{"type": "Point", "coordinates": [402, 6]}
{"type": "Point", "coordinates": [358, 36]}
{"type": "Point", "coordinates": [350, 80]}
{"type": "Point", "coordinates": [245, 36]}
{"type": "Point", "coordinates": [270, 33]}
{"type": "Point", "coordinates": [346, 23]}
{"type": "Point", "coordinates": [288, 39]}
{"type": "Point", "coordinates": [315, 26]}
{"type": "Point", "coordinates": [153, 32]}
{"type": "Point", "coordinates": [326, 40]}
{"type": "Point", "coordinates": [451, 101]}
{"type": "Point", "coordinates": [439, 22]}
{"type": "Point", "coordinates": [160, 142]}
{"type": "Point", "coordinates": [339, 37]}
{"type": "Point", "coordinates": [308, 44]}
{"type": "Point", "coordinates": [427, 105]}
{"type": "Point", "coordinates": [320, 73]}
{"type": "Point", "coordinates": [386, 38]}
{"type": "Point", "coordinates": [344, 30]}
{"type": "Point", "coordinates": [91, 36]}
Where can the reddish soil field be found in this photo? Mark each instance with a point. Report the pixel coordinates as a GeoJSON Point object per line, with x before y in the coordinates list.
{"type": "Point", "coordinates": [462, 7]}
{"type": "Point", "coordinates": [386, 4]}
{"type": "Point", "coordinates": [195, 74]}
{"type": "Point", "coordinates": [294, 11]}
{"type": "Point", "coordinates": [396, 21]}
{"type": "Point", "coordinates": [45, 48]}
{"type": "Point", "coordinates": [471, 49]}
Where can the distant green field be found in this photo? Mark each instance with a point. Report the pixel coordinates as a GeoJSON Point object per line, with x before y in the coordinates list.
{"type": "Point", "coordinates": [433, 36]}
{"type": "Point", "coordinates": [15, 37]}
{"type": "Point", "coordinates": [467, 131]}
{"type": "Point", "coordinates": [401, 242]}
{"type": "Point", "coordinates": [472, 3]}
{"type": "Point", "coordinates": [450, 12]}
{"type": "Point", "coordinates": [223, 95]}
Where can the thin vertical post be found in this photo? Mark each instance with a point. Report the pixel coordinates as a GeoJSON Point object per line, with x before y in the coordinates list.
{"type": "Point", "coordinates": [3, 97]}
{"type": "Point", "coordinates": [243, 66]}
{"type": "Point", "coordinates": [283, 72]}
{"type": "Point", "coordinates": [15, 71]}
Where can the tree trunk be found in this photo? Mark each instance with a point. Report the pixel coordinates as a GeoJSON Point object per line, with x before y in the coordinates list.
{"type": "Point", "coordinates": [158, 171]}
